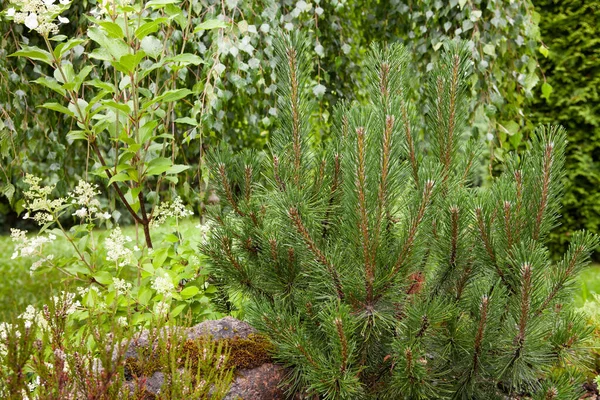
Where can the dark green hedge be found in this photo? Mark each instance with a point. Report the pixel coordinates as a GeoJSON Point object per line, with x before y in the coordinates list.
{"type": "Point", "coordinates": [571, 29]}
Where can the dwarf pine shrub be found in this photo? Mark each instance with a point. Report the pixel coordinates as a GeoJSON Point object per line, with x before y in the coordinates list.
{"type": "Point", "coordinates": [377, 266]}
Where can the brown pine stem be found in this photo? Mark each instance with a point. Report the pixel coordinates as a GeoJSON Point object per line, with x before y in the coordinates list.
{"type": "Point", "coordinates": [481, 226]}
{"type": "Point", "coordinates": [362, 210]}
{"type": "Point", "coordinates": [526, 275]}
{"type": "Point", "coordinates": [383, 183]}
{"type": "Point", "coordinates": [295, 105]}
{"type": "Point", "coordinates": [483, 309]}
{"type": "Point", "coordinates": [508, 225]}
{"type": "Point", "coordinates": [228, 191]}
{"type": "Point", "coordinates": [452, 114]}
{"type": "Point", "coordinates": [547, 167]}
{"type": "Point", "coordinates": [414, 228]}
{"type": "Point", "coordinates": [384, 72]}
{"type": "Point", "coordinates": [343, 342]}
{"type": "Point", "coordinates": [320, 257]}
{"type": "Point", "coordinates": [335, 183]}
{"type": "Point", "coordinates": [307, 356]}
{"type": "Point", "coordinates": [276, 176]}
{"type": "Point", "coordinates": [247, 182]}
{"type": "Point", "coordinates": [454, 222]}
{"type": "Point", "coordinates": [519, 205]}
{"type": "Point", "coordinates": [410, 142]}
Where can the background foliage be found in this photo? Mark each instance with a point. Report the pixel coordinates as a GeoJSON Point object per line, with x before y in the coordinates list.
{"type": "Point", "coordinates": [239, 60]}
{"type": "Point", "coordinates": [571, 31]}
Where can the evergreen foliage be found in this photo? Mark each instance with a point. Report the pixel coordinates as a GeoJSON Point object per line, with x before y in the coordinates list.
{"type": "Point", "coordinates": [375, 265]}
{"type": "Point", "coordinates": [571, 31]}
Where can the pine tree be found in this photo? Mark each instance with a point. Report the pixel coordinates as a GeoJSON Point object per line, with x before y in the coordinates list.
{"type": "Point", "coordinates": [375, 263]}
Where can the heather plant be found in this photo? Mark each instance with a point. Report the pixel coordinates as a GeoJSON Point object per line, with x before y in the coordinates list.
{"type": "Point", "coordinates": [47, 353]}
{"type": "Point", "coordinates": [377, 266]}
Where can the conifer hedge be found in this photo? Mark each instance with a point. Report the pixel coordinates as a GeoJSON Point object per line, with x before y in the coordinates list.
{"type": "Point", "coordinates": [571, 29]}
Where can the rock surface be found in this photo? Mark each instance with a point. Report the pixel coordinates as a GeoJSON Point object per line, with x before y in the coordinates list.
{"type": "Point", "coordinates": [260, 383]}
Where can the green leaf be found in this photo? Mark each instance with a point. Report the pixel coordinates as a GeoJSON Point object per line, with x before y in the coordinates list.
{"type": "Point", "coordinates": [131, 61]}
{"type": "Point", "coordinates": [120, 177]}
{"type": "Point", "coordinates": [149, 27]}
{"type": "Point", "coordinates": [147, 130]}
{"type": "Point", "coordinates": [189, 291]}
{"type": "Point", "coordinates": [76, 135]}
{"type": "Point", "coordinates": [112, 29]}
{"type": "Point", "coordinates": [97, 83]}
{"type": "Point", "coordinates": [187, 120]}
{"type": "Point", "coordinates": [58, 107]}
{"type": "Point", "coordinates": [185, 59]}
{"type": "Point", "coordinates": [211, 24]}
{"type": "Point", "coordinates": [489, 49]}
{"type": "Point", "coordinates": [116, 106]}
{"type": "Point", "coordinates": [144, 295]}
{"type": "Point", "coordinates": [177, 310]}
{"type": "Point", "coordinates": [175, 169]}
{"type": "Point", "coordinates": [156, 4]}
{"type": "Point", "coordinates": [62, 48]}
{"type": "Point", "coordinates": [103, 277]}
{"type": "Point", "coordinates": [8, 190]}
{"type": "Point", "coordinates": [51, 84]}
{"type": "Point", "coordinates": [544, 50]}
{"type": "Point", "coordinates": [169, 96]}
{"type": "Point", "coordinates": [158, 166]}
{"type": "Point", "coordinates": [159, 257]}
{"type": "Point", "coordinates": [510, 127]}
{"type": "Point", "coordinates": [546, 90]}
{"type": "Point", "coordinates": [34, 53]}
{"type": "Point", "coordinates": [116, 48]}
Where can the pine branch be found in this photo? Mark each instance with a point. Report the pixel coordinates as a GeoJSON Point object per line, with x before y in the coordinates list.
{"type": "Point", "coordinates": [483, 315]}
{"type": "Point", "coordinates": [525, 302]}
{"type": "Point", "coordinates": [295, 217]}
{"type": "Point", "coordinates": [382, 192]}
{"type": "Point", "coordinates": [247, 182]}
{"type": "Point", "coordinates": [547, 168]}
{"type": "Point", "coordinates": [362, 210]}
{"type": "Point", "coordinates": [276, 174]}
{"type": "Point", "coordinates": [335, 183]}
{"type": "Point", "coordinates": [452, 114]}
{"type": "Point", "coordinates": [414, 228]}
{"type": "Point", "coordinates": [410, 142]}
{"type": "Point", "coordinates": [228, 190]}
{"type": "Point", "coordinates": [344, 343]}
{"type": "Point", "coordinates": [295, 107]}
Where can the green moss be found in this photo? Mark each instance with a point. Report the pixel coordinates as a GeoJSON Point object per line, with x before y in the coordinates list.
{"type": "Point", "coordinates": [243, 353]}
{"type": "Point", "coordinates": [236, 353]}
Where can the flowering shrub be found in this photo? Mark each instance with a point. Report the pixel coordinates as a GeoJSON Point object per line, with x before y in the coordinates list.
{"type": "Point", "coordinates": [123, 101]}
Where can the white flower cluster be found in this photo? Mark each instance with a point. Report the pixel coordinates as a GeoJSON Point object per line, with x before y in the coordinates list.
{"type": "Point", "coordinates": [163, 285]}
{"type": "Point", "coordinates": [26, 247]}
{"type": "Point", "coordinates": [38, 15]}
{"type": "Point", "coordinates": [82, 291]}
{"type": "Point", "coordinates": [31, 316]}
{"type": "Point", "coordinates": [37, 202]}
{"type": "Point", "coordinates": [162, 308]}
{"type": "Point", "coordinates": [84, 196]}
{"type": "Point", "coordinates": [121, 286]}
{"type": "Point", "coordinates": [65, 304]}
{"type": "Point", "coordinates": [115, 247]}
{"type": "Point", "coordinates": [40, 262]}
{"type": "Point", "coordinates": [166, 210]}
